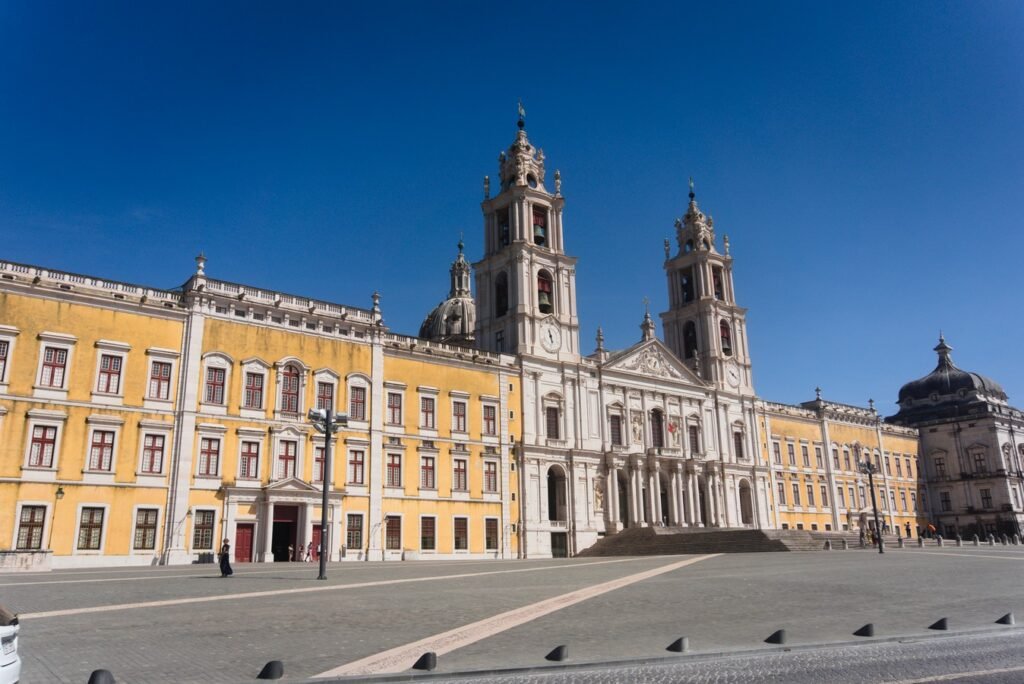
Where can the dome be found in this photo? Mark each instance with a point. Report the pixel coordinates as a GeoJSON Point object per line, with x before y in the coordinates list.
{"type": "Point", "coordinates": [454, 319]}
{"type": "Point", "coordinates": [947, 380]}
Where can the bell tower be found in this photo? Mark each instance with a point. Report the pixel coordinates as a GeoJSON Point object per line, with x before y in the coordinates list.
{"type": "Point", "coordinates": [526, 285]}
{"type": "Point", "coordinates": [704, 326]}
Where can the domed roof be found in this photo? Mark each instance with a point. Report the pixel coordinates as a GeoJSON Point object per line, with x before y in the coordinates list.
{"type": "Point", "coordinates": [948, 380]}
{"type": "Point", "coordinates": [454, 319]}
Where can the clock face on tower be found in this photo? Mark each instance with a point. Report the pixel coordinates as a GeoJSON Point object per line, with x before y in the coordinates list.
{"type": "Point", "coordinates": [732, 375]}
{"type": "Point", "coordinates": [550, 336]}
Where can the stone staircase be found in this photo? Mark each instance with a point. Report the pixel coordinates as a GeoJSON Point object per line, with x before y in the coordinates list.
{"type": "Point", "coordinates": [659, 541]}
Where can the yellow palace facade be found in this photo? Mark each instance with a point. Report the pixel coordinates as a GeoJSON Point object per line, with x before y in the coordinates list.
{"type": "Point", "coordinates": [143, 426]}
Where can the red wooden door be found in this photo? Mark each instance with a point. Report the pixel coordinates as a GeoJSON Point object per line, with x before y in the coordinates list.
{"type": "Point", "coordinates": [243, 543]}
{"type": "Point", "coordinates": [316, 543]}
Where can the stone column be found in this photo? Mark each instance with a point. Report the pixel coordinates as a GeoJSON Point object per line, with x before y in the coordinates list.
{"type": "Point", "coordinates": [673, 496]}
{"type": "Point", "coordinates": [631, 520]}
{"type": "Point", "coordinates": [611, 497]}
{"type": "Point", "coordinates": [268, 533]}
{"type": "Point", "coordinates": [709, 495]}
{"type": "Point", "coordinates": [638, 485]}
{"type": "Point", "coordinates": [693, 500]}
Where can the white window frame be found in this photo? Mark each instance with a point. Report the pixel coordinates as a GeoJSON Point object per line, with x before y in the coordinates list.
{"type": "Point", "coordinates": [493, 403]}
{"type": "Point", "coordinates": [287, 434]}
{"type": "Point", "coordinates": [160, 355]}
{"type": "Point", "coordinates": [256, 366]}
{"type": "Point", "coordinates": [457, 396]}
{"type": "Point", "coordinates": [318, 443]}
{"type": "Point", "coordinates": [402, 464]}
{"type": "Point", "coordinates": [43, 418]}
{"type": "Point", "coordinates": [118, 350]}
{"type": "Point", "coordinates": [75, 551]}
{"type": "Point", "coordinates": [363, 381]}
{"type": "Point", "coordinates": [553, 400]}
{"type": "Point", "coordinates": [392, 553]}
{"type": "Point", "coordinates": [461, 494]}
{"type": "Point", "coordinates": [327, 376]}
{"type": "Point", "coordinates": [468, 535]}
{"type": "Point", "coordinates": [432, 516]}
{"type": "Point", "coordinates": [424, 392]}
{"type": "Point", "coordinates": [248, 434]}
{"type": "Point", "coordinates": [101, 423]}
{"type": "Point", "coordinates": [58, 341]}
{"type": "Point", "coordinates": [399, 389]}
{"type": "Point", "coordinates": [209, 431]}
{"type": "Point", "coordinates": [300, 413]}
{"type": "Point", "coordinates": [8, 334]}
{"type": "Point", "coordinates": [224, 362]}
{"type": "Point", "coordinates": [47, 522]}
{"type": "Point", "coordinates": [216, 538]}
{"type": "Point", "coordinates": [497, 521]}
{"type": "Point", "coordinates": [153, 427]}
{"type": "Point", "coordinates": [496, 493]}
{"type": "Point", "coordinates": [156, 550]}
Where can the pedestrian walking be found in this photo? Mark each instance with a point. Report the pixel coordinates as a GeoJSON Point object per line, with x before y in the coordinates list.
{"type": "Point", "coordinates": [291, 553]}
{"type": "Point", "coordinates": [309, 552]}
{"type": "Point", "coordinates": [225, 559]}
{"type": "Point", "coordinates": [908, 530]}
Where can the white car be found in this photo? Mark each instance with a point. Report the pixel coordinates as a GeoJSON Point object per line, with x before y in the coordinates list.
{"type": "Point", "coordinates": [10, 663]}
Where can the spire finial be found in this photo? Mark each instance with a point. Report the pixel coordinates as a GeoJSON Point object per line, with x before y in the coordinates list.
{"type": "Point", "coordinates": [667, 249]}
{"type": "Point", "coordinates": [871, 405]}
{"type": "Point", "coordinates": [487, 187]}
{"type": "Point", "coordinates": [726, 242]}
{"type": "Point", "coordinates": [817, 393]}
{"type": "Point", "coordinates": [522, 115]}
{"type": "Point", "coordinates": [201, 264]}
{"type": "Point", "coordinates": [648, 325]}
{"type": "Point", "coordinates": [461, 244]}
{"type": "Point", "coordinates": [600, 339]}
{"type": "Point", "coordinates": [692, 195]}
{"type": "Point", "coordinates": [558, 182]}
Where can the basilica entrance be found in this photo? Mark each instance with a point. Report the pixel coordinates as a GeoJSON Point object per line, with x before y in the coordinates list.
{"type": "Point", "coordinates": [559, 545]}
{"type": "Point", "coordinates": [286, 528]}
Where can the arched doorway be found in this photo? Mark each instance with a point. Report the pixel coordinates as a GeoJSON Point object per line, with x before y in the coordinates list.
{"type": "Point", "coordinates": [556, 494]}
{"type": "Point", "coordinates": [665, 517]}
{"type": "Point", "coordinates": [746, 503]}
{"type": "Point", "coordinates": [702, 501]}
{"type": "Point", "coordinates": [623, 482]}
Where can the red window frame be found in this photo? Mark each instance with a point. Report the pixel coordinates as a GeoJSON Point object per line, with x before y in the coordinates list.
{"type": "Point", "coordinates": [152, 454]}
{"type": "Point", "coordinates": [354, 531]}
{"type": "Point", "coordinates": [490, 534]}
{"type": "Point", "coordinates": [110, 374]}
{"type": "Point", "coordinates": [428, 533]}
{"type": "Point", "coordinates": [55, 361]}
{"type": "Point", "coordinates": [287, 458]}
{"type": "Point", "coordinates": [356, 465]}
{"type": "Point", "coordinates": [460, 536]}
{"type": "Point", "coordinates": [394, 470]}
{"type": "Point", "coordinates": [101, 450]}
{"type": "Point", "coordinates": [459, 482]}
{"type": "Point", "coordinates": [42, 447]}
{"type": "Point", "coordinates": [393, 533]}
{"type": "Point", "coordinates": [253, 391]}
{"type": "Point", "coordinates": [318, 464]}
{"type": "Point", "coordinates": [490, 420]}
{"type": "Point", "coordinates": [427, 473]}
{"type": "Point", "coordinates": [325, 395]}
{"type": "Point", "coordinates": [90, 529]}
{"type": "Point", "coordinates": [160, 380]}
{"type": "Point", "coordinates": [290, 389]}
{"type": "Point", "coordinates": [357, 403]}
{"type": "Point", "coordinates": [394, 408]}
{"type": "Point", "coordinates": [215, 385]}
{"type": "Point", "coordinates": [427, 412]}
{"type": "Point", "coordinates": [249, 461]}
{"type": "Point", "coordinates": [202, 533]}
{"type": "Point", "coordinates": [145, 529]}
{"type": "Point", "coordinates": [490, 476]}
{"type": "Point", "coordinates": [209, 456]}
{"type": "Point", "coordinates": [31, 522]}
{"type": "Point", "coordinates": [458, 416]}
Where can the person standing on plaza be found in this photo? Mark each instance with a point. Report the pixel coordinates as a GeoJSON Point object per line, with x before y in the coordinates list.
{"type": "Point", "coordinates": [309, 552]}
{"type": "Point", "coordinates": [225, 560]}
{"type": "Point", "coordinates": [908, 530]}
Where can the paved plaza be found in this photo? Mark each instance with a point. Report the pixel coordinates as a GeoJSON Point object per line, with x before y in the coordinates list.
{"type": "Point", "coordinates": [186, 624]}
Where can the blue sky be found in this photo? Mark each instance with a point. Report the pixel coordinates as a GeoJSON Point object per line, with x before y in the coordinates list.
{"type": "Point", "coordinates": [866, 159]}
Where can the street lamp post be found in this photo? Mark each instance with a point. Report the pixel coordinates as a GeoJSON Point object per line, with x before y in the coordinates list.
{"type": "Point", "coordinates": [325, 421]}
{"type": "Point", "coordinates": [869, 468]}
{"type": "Point", "coordinates": [58, 495]}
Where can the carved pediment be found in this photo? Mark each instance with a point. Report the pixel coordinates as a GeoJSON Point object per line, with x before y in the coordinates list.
{"type": "Point", "coordinates": [292, 484]}
{"type": "Point", "coordinates": [653, 359]}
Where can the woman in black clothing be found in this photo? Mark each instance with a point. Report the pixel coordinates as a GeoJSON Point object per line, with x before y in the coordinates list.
{"type": "Point", "coordinates": [225, 560]}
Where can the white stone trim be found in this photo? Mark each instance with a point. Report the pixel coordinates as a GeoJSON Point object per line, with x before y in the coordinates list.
{"type": "Point", "coordinates": [257, 366]}
{"type": "Point", "coordinates": [8, 334]}
{"type": "Point", "coordinates": [75, 551]}
{"type": "Point", "coordinates": [215, 359]}
{"type": "Point", "coordinates": [155, 551]}
{"type": "Point", "coordinates": [44, 543]}
{"type": "Point", "coordinates": [57, 341]}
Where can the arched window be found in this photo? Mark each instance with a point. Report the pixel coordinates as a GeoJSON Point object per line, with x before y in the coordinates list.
{"type": "Point", "coordinates": [501, 295]}
{"type": "Point", "coordinates": [545, 296]}
{"type": "Point", "coordinates": [686, 285]}
{"type": "Point", "coordinates": [540, 227]}
{"type": "Point", "coordinates": [726, 335]}
{"type": "Point", "coordinates": [290, 389]}
{"type": "Point", "coordinates": [689, 340]}
{"type": "Point", "coordinates": [716, 279]}
{"type": "Point", "coordinates": [657, 428]}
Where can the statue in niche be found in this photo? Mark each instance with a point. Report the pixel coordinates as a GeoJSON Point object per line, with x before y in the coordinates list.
{"type": "Point", "coordinates": [638, 428]}
{"type": "Point", "coordinates": [599, 498]}
{"type": "Point", "coordinates": [675, 432]}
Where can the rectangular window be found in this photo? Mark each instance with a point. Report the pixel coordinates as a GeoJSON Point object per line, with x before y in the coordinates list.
{"type": "Point", "coordinates": [289, 390]}
{"type": "Point", "coordinates": [737, 443]}
{"type": "Point", "coordinates": [490, 534]}
{"type": "Point", "coordinates": [209, 456]}
{"type": "Point", "coordinates": [913, 501]}
{"type": "Point", "coordinates": [909, 472]}
{"type": "Point", "coordinates": [940, 467]}
{"type": "Point", "coordinates": [394, 470]}
{"type": "Point", "coordinates": [616, 429]}
{"type": "Point", "coordinates": [318, 464]}
{"type": "Point", "coordinates": [357, 403]}
{"type": "Point", "coordinates": [427, 417]}
{"type": "Point", "coordinates": [393, 533]}
{"type": "Point", "coordinates": [806, 457]}
{"type": "Point", "coordinates": [888, 470]}
{"type": "Point", "coordinates": [101, 451]}
{"type": "Point", "coordinates": [810, 495]}
{"type": "Point", "coordinates": [791, 452]}
{"type": "Point", "coordinates": [354, 531]}
{"type": "Point", "coordinates": [152, 454]}
{"type": "Point", "coordinates": [5, 349]}
{"type": "Point", "coordinates": [249, 461]}
{"type": "Point", "coordinates": [202, 534]}
{"type": "Point", "coordinates": [945, 502]}
{"type": "Point", "coordinates": [30, 528]}
{"type": "Point", "coordinates": [846, 459]}
{"type": "Point", "coordinates": [459, 475]}
{"type": "Point", "coordinates": [458, 416]}
{"type": "Point", "coordinates": [694, 434]}
{"type": "Point", "coordinates": [160, 380]}
{"type": "Point", "coordinates": [427, 480]}
{"type": "Point", "coordinates": [215, 385]}
{"type": "Point", "coordinates": [986, 498]}
{"type": "Point", "coordinates": [145, 529]}
{"type": "Point", "coordinates": [90, 529]}
{"type": "Point", "coordinates": [892, 500]}
{"type": "Point", "coordinates": [551, 415]}
{"type": "Point", "coordinates": [428, 534]}
{"type": "Point", "coordinates": [461, 534]}
{"type": "Point", "coordinates": [54, 365]}
{"type": "Point", "coordinates": [777, 451]}
{"type": "Point", "coordinates": [796, 494]}
{"type": "Point", "coordinates": [490, 420]}
{"type": "Point", "coordinates": [44, 440]}
{"type": "Point", "coordinates": [394, 408]}
{"type": "Point", "coordinates": [824, 495]}
{"type": "Point", "coordinates": [355, 467]}
{"type": "Point", "coordinates": [903, 501]}
{"type": "Point", "coordinates": [110, 374]}
{"type": "Point", "coordinates": [863, 497]}
{"type": "Point", "coordinates": [287, 456]}
{"type": "Point", "coordinates": [325, 395]}
{"type": "Point", "coordinates": [835, 459]}
{"type": "Point", "coordinates": [899, 468]}
{"type": "Point", "coordinates": [782, 493]}
{"type": "Point", "coordinates": [253, 391]}
{"type": "Point", "coordinates": [980, 466]}
{"type": "Point", "coordinates": [853, 500]}
{"type": "Point", "coordinates": [818, 459]}
{"type": "Point", "coordinates": [840, 498]}
{"type": "Point", "coordinates": [490, 476]}
{"type": "Point", "coordinates": [881, 497]}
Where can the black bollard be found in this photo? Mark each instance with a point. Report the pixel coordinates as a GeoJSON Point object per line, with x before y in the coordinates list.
{"type": "Point", "coordinates": [427, 661]}
{"type": "Point", "coordinates": [777, 637]}
{"type": "Point", "coordinates": [559, 654]}
{"type": "Point", "coordinates": [680, 645]}
{"type": "Point", "coordinates": [942, 623]}
{"type": "Point", "coordinates": [1006, 620]}
{"type": "Point", "coordinates": [867, 630]}
{"type": "Point", "coordinates": [272, 670]}
{"type": "Point", "coordinates": [101, 677]}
